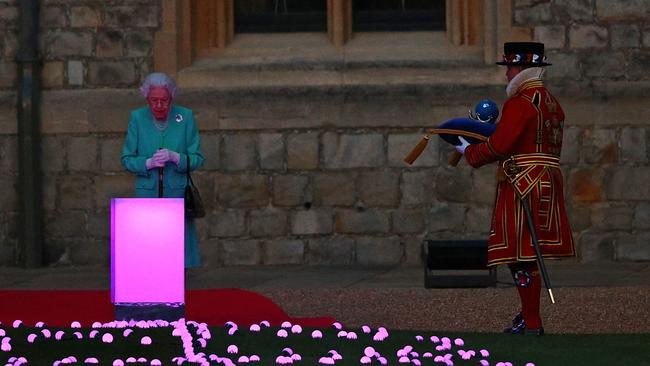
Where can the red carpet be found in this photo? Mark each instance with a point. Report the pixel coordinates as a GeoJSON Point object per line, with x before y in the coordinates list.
{"type": "Point", "coordinates": [214, 307]}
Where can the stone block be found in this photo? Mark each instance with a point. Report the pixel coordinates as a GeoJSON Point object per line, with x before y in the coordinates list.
{"type": "Point", "coordinates": [271, 149]}
{"type": "Point", "coordinates": [586, 185]}
{"type": "Point", "coordinates": [84, 17]}
{"type": "Point", "coordinates": [369, 221]}
{"type": "Point", "coordinates": [8, 74]}
{"type": "Point", "coordinates": [290, 190]}
{"type": "Point", "coordinates": [283, 252]}
{"type": "Point", "coordinates": [551, 35]}
{"type": "Point", "coordinates": [642, 216]}
{"type": "Point", "coordinates": [574, 10]}
{"type": "Point", "coordinates": [445, 216]}
{"type": "Point", "coordinates": [534, 14]}
{"type": "Point", "coordinates": [211, 253]}
{"type": "Point", "coordinates": [588, 36]}
{"type": "Point", "coordinates": [638, 64]}
{"type": "Point", "coordinates": [211, 148]}
{"type": "Point", "coordinates": [313, 221]}
{"type": "Point", "coordinates": [52, 74]}
{"type": "Point", "coordinates": [53, 154]}
{"type": "Point", "coordinates": [238, 152]}
{"type": "Point", "coordinates": [8, 16]}
{"type": "Point", "coordinates": [205, 183]}
{"type": "Point", "coordinates": [302, 151]}
{"type": "Point", "coordinates": [479, 219]}
{"type": "Point", "coordinates": [566, 66]}
{"type": "Point", "coordinates": [111, 73]}
{"type": "Point", "coordinates": [136, 16]}
{"type": "Point", "coordinates": [229, 223]}
{"type": "Point", "coordinates": [99, 224]}
{"type": "Point", "coordinates": [50, 191]}
{"type": "Point", "coordinates": [9, 195]}
{"type": "Point", "coordinates": [622, 10]}
{"type": "Point", "coordinates": [353, 151]}
{"type": "Point", "coordinates": [334, 189]}
{"type": "Point", "coordinates": [453, 184]}
{"type": "Point", "coordinates": [76, 192]}
{"type": "Point", "coordinates": [113, 186]}
{"type": "Point", "coordinates": [645, 38]}
{"type": "Point", "coordinates": [579, 218]}
{"type": "Point", "coordinates": [611, 216]}
{"type": "Point", "coordinates": [8, 154]}
{"type": "Point", "coordinates": [571, 145]}
{"type": "Point", "coordinates": [330, 251]}
{"type": "Point", "coordinates": [484, 184]}
{"type": "Point", "coordinates": [413, 250]}
{"type": "Point", "coordinates": [53, 17]}
{"type": "Point", "coordinates": [111, 154]}
{"type": "Point", "coordinates": [75, 73]}
{"type": "Point", "coordinates": [599, 64]}
{"type": "Point", "coordinates": [418, 187]}
{"type": "Point", "coordinates": [268, 222]}
{"type": "Point", "coordinates": [633, 143]}
{"type": "Point", "coordinates": [110, 43]}
{"type": "Point", "coordinates": [245, 190]}
{"type": "Point", "coordinates": [633, 247]}
{"type": "Point", "coordinates": [65, 224]}
{"type": "Point", "coordinates": [59, 44]}
{"type": "Point", "coordinates": [409, 220]}
{"type": "Point", "coordinates": [388, 109]}
{"type": "Point", "coordinates": [379, 188]}
{"type": "Point", "coordinates": [241, 252]}
{"type": "Point", "coordinates": [618, 182]}
{"type": "Point", "coordinates": [139, 44]}
{"type": "Point", "coordinates": [625, 36]}
{"type": "Point", "coordinates": [380, 251]}
{"type": "Point", "coordinates": [8, 44]}
{"type": "Point", "coordinates": [600, 146]}
{"type": "Point", "coordinates": [400, 145]}
{"type": "Point", "coordinates": [596, 247]}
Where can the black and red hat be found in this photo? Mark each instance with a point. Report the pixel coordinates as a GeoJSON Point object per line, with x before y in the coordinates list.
{"type": "Point", "coordinates": [523, 54]}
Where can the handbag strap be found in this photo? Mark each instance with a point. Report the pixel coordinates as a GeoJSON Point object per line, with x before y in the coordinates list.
{"type": "Point", "coordinates": [188, 181]}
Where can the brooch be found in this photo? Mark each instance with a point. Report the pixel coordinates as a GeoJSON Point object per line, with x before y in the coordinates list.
{"type": "Point", "coordinates": [178, 118]}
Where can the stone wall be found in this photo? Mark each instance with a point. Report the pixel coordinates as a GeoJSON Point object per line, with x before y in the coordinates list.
{"type": "Point", "coordinates": [314, 174]}
{"type": "Point", "coordinates": [599, 44]}
{"type": "Point", "coordinates": [85, 43]}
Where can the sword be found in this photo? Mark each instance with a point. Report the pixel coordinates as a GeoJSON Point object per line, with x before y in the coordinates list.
{"type": "Point", "coordinates": [538, 252]}
{"type": "Point", "coordinates": [510, 167]}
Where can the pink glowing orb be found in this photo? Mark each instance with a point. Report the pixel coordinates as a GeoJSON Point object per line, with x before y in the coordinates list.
{"type": "Point", "coordinates": [365, 360]}
{"type": "Point", "coordinates": [5, 347]}
{"type": "Point", "coordinates": [326, 361]}
{"type": "Point", "coordinates": [341, 334]}
{"type": "Point", "coordinates": [232, 330]}
{"type": "Point", "coordinates": [232, 349]}
{"type": "Point", "coordinates": [31, 338]}
{"type": "Point", "coordinates": [155, 362]}
{"type": "Point", "coordinates": [58, 335]}
{"type": "Point", "coordinates": [459, 342]}
{"type": "Point", "coordinates": [107, 338]}
{"type": "Point", "coordinates": [484, 353]}
{"type": "Point", "coordinates": [265, 323]}
{"type": "Point", "coordinates": [416, 362]}
{"type": "Point", "coordinates": [118, 362]}
{"type": "Point", "coordinates": [317, 334]}
{"type": "Point", "coordinates": [296, 329]}
{"type": "Point", "coordinates": [146, 340]}
{"type": "Point", "coordinates": [282, 333]}
{"type": "Point", "coordinates": [39, 324]}
{"type": "Point", "coordinates": [369, 351]}
{"type": "Point", "coordinates": [254, 358]}
{"type": "Point", "coordinates": [243, 359]}
{"type": "Point", "coordinates": [419, 338]}
{"type": "Point", "coordinates": [365, 329]}
{"type": "Point", "coordinates": [285, 324]}
{"type": "Point", "coordinates": [337, 325]}
{"type": "Point", "coordinates": [427, 355]}
{"type": "Point", "coordinates": [351, 335]}
{"type": "Point", "coordinates": [485, 363]}
{"type": "Point", "coordinates": [131, 360]}
{"type": "Point", "coordinates": [404, 359]}
{"type": "Point", "coordinates": [147, 265]}
{"type": "Point", "coordinates": [382, 360]}
{"type": "Point", "coordinates": [127, 332]}
{"type": "Point", "coordinates": [17, 323]}
{"type": "Point", "coordinates": [91, 360]}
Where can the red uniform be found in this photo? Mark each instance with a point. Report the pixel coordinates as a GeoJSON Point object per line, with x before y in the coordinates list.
{"type": "Point", "coordinates": [529, 137]}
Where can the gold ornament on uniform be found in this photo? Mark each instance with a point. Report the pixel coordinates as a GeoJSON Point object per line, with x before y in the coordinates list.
{"type": "Point", "coordinates": [551, 105]}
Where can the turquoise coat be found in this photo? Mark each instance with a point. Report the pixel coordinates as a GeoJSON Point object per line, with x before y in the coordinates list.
{"type": "Point", "coordinates": [143, 139]}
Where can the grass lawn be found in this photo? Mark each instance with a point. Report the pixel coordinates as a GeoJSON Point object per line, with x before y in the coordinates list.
{"type": "Point", "coordinates": [551, 349]}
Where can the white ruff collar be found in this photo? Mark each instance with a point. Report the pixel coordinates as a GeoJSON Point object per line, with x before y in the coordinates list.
{"type": "Point", "coordinates": [522, 77]}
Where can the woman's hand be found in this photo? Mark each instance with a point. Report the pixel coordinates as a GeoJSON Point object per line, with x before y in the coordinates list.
{"type": "Point", "coordinates": [165, 155]}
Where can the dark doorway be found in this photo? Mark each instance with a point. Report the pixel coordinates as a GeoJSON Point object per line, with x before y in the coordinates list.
{"type": "Point", "coordinates": [398, 15]}
{"type": "Point", "coordinates": [260, 16]}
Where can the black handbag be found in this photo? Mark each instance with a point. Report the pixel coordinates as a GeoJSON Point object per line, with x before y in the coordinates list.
{"type": "Point", "coordinates": [193, 203]}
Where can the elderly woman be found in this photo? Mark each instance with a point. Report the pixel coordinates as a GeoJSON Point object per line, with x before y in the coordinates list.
{"type": "Point", "coordinates": [160, 139]}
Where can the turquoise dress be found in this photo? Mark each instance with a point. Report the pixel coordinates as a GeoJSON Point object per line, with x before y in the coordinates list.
{"type": "Point", "coordinates": [143, 139]}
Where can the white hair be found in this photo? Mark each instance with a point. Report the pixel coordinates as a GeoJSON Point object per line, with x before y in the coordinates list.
{"type": "Point", "coordinates": [157, 80]}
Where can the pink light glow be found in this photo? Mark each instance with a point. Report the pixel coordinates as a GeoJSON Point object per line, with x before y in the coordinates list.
{"type": "Point", "coordinates": [147, 250]}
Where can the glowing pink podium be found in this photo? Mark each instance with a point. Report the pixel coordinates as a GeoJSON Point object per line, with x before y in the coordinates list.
{"type": "Point", "coordinates": [147, 250]}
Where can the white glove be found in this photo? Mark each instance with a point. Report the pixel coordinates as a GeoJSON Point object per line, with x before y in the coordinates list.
{"type": "Point", "coordinates": [165, 155]}
{"type": "Point", "coordinates": [463, 145]}
{"type": "Point", "coordinates": [152, 163]}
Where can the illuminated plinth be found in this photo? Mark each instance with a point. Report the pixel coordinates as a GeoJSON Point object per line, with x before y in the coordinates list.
{"type": "Point", "coordinates": [147, 252]}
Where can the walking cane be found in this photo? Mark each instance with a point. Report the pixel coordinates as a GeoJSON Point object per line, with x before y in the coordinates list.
{"type": "Point", "coordinates": [161, 173]}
